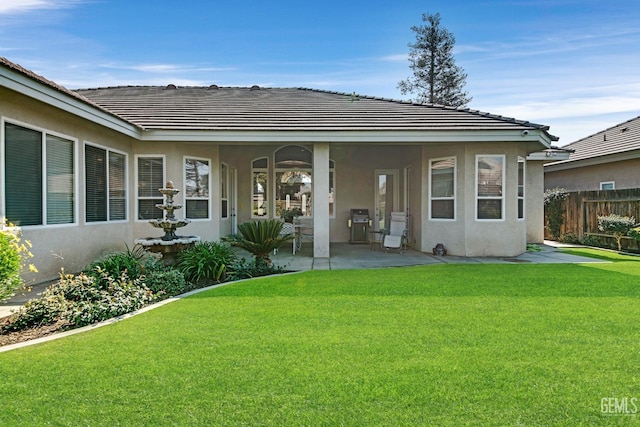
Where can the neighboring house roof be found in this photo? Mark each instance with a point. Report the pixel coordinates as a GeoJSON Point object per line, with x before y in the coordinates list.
{"type": "Point", "coordinates": [615, 143]}
{"type": "Point", "coordinates": [161, 111]}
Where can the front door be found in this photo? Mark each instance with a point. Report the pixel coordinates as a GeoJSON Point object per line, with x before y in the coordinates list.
{"type": "Point", "coordinates": [386, 197]}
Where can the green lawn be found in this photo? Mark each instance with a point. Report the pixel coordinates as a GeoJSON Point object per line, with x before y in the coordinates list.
{"type": "Point", "coordinates": [436, 345]}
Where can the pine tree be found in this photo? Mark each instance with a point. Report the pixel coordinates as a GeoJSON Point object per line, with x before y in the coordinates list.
{"type": "Point", "coordinates": [436, 77]}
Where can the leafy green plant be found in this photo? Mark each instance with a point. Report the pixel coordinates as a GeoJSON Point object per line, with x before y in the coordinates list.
{"type": "Point", "coordinates": [81, 300]}
{"type": "Point", "coordinates": [554, 210]}
{"type": "Point", "coordinates": [206, 262]}
{"type": "Point", "coordinates": [634, 233]}
{"type": "Point", "coordinates": [164, 283]}
{"type": "Point", "coordinates": [616, 225]}
{"type": "Point", "coordinates": [135, 262]}
{"type": "Point", "coordinates": [13, 257]}
{"type": "Point", "coordinates": [260, 238]}
{"type": "Point", "coordinates": [244, 269]}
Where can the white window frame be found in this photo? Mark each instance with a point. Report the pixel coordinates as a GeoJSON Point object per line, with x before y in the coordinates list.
{"type": "Point", "coordinates": [186, 197]}
{"type": "Point", "coordinates": [607, 183]}
{"type": "Point", "coordinates": [501, 197]}
{"type": "Point", "coordinates": [75, 185]}
{"type": "Point", "coordinates": [455, 186]}
{"type": "Point", "coordinates": [164, 177]}
{"type": "Point", "coordinates": [126, 183]}
{"type": "Point", "coordinates": [522, 161]}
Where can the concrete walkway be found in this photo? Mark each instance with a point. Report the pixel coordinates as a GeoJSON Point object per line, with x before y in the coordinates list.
{"type": "Point", "coordinates": [346, 256]}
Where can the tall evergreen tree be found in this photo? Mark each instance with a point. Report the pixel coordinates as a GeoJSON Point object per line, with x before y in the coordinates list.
{"type": "Point", "coordinates": [436, 77]}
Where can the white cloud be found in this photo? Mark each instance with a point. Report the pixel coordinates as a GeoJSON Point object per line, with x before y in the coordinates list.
{"type": "Point", "coordinates": [20, 6]}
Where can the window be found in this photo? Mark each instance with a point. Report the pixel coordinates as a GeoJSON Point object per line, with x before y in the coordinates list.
{"type": "Point", "coordinates": [521, 170]}
{"type": "Point", "coordinates": [608, 185]}
{"type": "Point", "coordinates": [105, 185]}
{"type": "Point", "coordinates": [489, 187]}
{"type": "Point", "coordinates": [224, 190]}
{"type": "Point", "coordinates": [196, 188]}
{"type": "Point", "coordinates": [442, 188]}
{"type": "Point", "coordinates": [150, 179]}
{"type": "Point", "coordinates": [259, 194]}
{"type": "Point", "coordinates": [293, 186]}
{"type": "Point", "coordinates": [30, 156]}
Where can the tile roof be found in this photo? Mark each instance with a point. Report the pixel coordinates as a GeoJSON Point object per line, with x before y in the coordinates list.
{"type": "Point", "coordinates": [621, 138]}
{"type": "Point", "coordinates": [256, 108]}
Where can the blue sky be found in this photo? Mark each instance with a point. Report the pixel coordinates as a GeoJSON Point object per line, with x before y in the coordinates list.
{"type": "Point", "coordinates": [571, 64]}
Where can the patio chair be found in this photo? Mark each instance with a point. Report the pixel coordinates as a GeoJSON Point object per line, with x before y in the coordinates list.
{"type": "Point", "coordinates": [287, 229]}
{"type": "Point", "coordinates": [396, 238]}
{"type": "Point", "coordinates": [305, 233]}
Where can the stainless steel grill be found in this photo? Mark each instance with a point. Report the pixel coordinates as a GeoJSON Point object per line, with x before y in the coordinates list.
{"type": "Point", "coordinates": [359, 225]}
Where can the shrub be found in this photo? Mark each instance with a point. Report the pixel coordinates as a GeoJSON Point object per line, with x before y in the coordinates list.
{"type": "Point", "coordinates": [553, 210]}
{"type": "Point", "coordinates": [123, 295]}
{"type": "Point", "coordinates": [244, 269]}
{"type": "Point", "coordinates": [13, 256]}
{"type": "Point", "coordinates": [260, 238]}
{"type": "Point", "coordinates": [166, 282]}
{"type": "Point", "coordinates": [616, 225]}
{"type": "Point", "coordinates": [135, 263]}
{"type": "Point", "coordinates": [81, 300]}
{"type": "Point", "coordinates": [205, 262]}
{"type": "Point", "coordinates": [591, 240]}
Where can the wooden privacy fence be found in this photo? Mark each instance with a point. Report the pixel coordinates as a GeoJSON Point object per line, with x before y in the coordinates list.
{"type": "Point", "coordinates": [582, 208]}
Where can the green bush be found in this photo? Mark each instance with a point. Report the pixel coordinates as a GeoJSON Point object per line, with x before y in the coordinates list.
{"type": "Point", "coordinates": [634, 233]}
{"type": "Point", "coordinates": [135, 263]}
{"type": "Point", "coordinates": [553, 210]}
{"type": "Point", "coordinates": [13, 256]}
{"type": "Point", "coordinates": [591, 240]}
{"type": "Point", "coordinates": [206, 262]}
{"type": "Point", "coordinates": [81, 300]}
{"type": "Point", "coordinates": [244, 269]}
{"type": "Point", "coordinates": [164, 283]}
{"type": "Point", "coordinates": [616, 225]}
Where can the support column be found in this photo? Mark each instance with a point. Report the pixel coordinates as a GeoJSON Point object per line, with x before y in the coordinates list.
{"type": "Point", "coordinates": [321, 229]}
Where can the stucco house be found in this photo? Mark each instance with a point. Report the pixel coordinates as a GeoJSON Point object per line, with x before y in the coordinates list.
{"type": "Point", "coordinates": [607, 160]}
{"type": "Point", "coordinates": [80, 169]}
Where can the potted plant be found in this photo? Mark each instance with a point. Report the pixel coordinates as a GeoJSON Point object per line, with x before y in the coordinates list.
{"type": "Point", "coordinates": [289, 215]}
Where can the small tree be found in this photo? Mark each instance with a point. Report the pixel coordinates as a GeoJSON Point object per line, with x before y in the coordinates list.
{"type": "Point", "coordinates": [436, 77]}
{"type": "Point", "coordinates": [13, 258]}
{"type": "Point", "coordinates": [617, 225]}
{"type": "Point", "coordinates": [554, 211]}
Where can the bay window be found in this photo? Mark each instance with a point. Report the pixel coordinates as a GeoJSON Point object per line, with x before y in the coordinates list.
{"type": "Point", "coordinates": [196, 188]}
{"type": "Point", "coordinates": [105, 184]}
{"type": "Point", "coordinates": [150, 176]}
{"type": "Point", "coordinates": [489, 187]}
{"type": "Point", "coordinates": [442, 188]}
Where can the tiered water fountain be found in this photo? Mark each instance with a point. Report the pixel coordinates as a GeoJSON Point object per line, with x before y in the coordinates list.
{"type": "Point", "coordinates": [170, 244]}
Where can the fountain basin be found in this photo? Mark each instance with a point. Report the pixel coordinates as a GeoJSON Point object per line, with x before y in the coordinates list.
{"type": "Point", "coordinates": [168, 248]}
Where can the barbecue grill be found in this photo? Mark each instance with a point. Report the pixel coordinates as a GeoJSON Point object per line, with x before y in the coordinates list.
{"type": "Point", "coordinates": [359, 225]}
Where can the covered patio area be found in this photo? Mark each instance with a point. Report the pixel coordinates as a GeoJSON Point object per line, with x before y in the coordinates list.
{"type": "Point", "coordinates": [345, 256]}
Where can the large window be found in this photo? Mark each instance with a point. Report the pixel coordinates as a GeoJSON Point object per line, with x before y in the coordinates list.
{"type": "Point", "coordinates": [39, 177]}
{"type": "Point", "coordinates": [196, 188]}
{"type": "Point", "coordinates": [105, 184]}
{"type": "Point", "coordinates": [489, 187]}
{"type": "Point", "coordinates": [150, 173]}
{"type": "Point", "coordinates": [521, 176]}
{"type": "Point", "coordinates": [442, 188]}
{"type": "Point", "coordinates": [293, 186]}
{"type": "Point", "coordinates": [259, 193]}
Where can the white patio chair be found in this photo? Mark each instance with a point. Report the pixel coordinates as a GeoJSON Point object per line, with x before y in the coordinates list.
{"type": "Point", "coordinates": [287, 229]}
{"type": "Point", "coordinates": [396, 238]}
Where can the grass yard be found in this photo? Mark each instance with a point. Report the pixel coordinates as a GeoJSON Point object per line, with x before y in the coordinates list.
{"type": "Point", "coordinates": [446, 345]}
